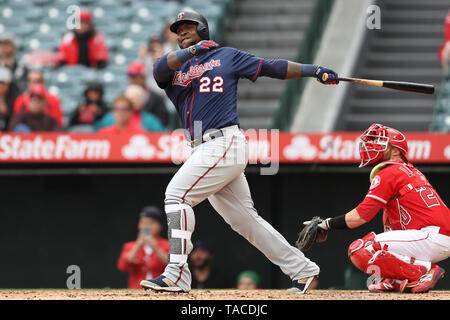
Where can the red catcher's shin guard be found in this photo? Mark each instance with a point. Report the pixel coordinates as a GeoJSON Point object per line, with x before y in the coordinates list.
{"type": "Point", "coordinates": [389, 266]}
{"type": "Point", "coordinates": [368, 257]}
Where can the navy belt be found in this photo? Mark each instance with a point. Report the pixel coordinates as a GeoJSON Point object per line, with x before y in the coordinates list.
{"type": "Point", "coordinates": [206, 137]}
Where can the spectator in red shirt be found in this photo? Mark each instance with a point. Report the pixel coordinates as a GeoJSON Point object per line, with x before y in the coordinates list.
{"type": "Point", "coordinates": [34, 119]}
{"type": "Point", "coordinates": [53, 106]}
{"type": "Point", "coordinates": [444, 49]}
{"type": "Point", "coordinates": [148, 255]}
{"type": "Point", "coordinates": [84, 45]}
{"type": "Point", "coordinates": [122, 111]}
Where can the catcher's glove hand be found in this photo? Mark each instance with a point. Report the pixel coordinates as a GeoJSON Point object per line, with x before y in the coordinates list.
{"type": "Point", "coordinates": [314, 231]}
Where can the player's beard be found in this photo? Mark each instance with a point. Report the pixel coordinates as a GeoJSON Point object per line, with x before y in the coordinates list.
{"type": "Point", "coordinates": [387, 155]}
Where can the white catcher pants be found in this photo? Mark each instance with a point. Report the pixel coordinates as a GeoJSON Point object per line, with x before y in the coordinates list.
{"type": "Point", "coordinates": [426, 246]}
{"type": "Point", "coordinates": [215, 171]}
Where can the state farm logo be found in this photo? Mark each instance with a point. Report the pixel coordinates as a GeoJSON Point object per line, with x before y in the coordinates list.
{"type": "Point", "coordinates": [300, 148]}
{"type": "Point", "coordinates": [419, 149]}
{"type": "Point", "coordinates": [139, 147]}
{"type": "Point", "coordinates": [61, 147]}
{"type": "Point", "coordinates": [329, 147]}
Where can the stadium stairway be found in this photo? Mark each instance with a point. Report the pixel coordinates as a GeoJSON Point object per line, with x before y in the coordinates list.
{"type": "Point", "coordinates": [404, 49]}
{"type": "Point", "coordinates": [269, 29]}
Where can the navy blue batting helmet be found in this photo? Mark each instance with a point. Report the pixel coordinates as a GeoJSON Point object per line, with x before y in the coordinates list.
{"type": "Point", "coordinates": [195, 17]}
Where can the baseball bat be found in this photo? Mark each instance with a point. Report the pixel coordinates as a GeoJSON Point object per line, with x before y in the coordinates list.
{"type": "Point", "coordinates": [396, 85]}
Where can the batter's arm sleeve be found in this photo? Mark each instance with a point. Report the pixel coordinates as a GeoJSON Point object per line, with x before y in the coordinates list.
{"type": "Point", "coordinates": [274, 68]}
{"type": "Point", "coordinates": [161, 72]}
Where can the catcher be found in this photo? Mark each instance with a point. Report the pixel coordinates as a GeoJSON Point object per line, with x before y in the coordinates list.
{"type": "Point", "coordinates": [416, 221]}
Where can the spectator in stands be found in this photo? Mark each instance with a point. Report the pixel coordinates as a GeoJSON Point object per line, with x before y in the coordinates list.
{"type": "Point", "coordinates": [139, 118]}
{"type": "Point", "coordinates": [35, 118]}
{"type": "Point", "coordinates": [154, 102]}
{"type": "Point", "coordinates": [122, 115]}
{"type": "Point", "coordinates": [53, 104]}
{"type": "Point", "coordinates": [444, 49]}
{"type": "Point", "coordinates": [8, 59]}
{"type": "Point", "coordinates": [92, 108]}
{"type": "Point", "coordinates": [8, 94]}
{"type": "Point", "coordinates": [84, 45]}
{"type": "Point", "coordinates": [247, 280]}
{"type": "Point", "coordinates": [148, 55]}
{"type": "Point", "coordinates": [148, 255]}
{"type": "Point", "coordinates": [204, 274]}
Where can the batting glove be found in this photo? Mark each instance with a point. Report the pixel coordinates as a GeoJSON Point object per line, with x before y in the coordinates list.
{"type": "Point", "coordinates": [326, 76]}
{"type": "Point", "coordinates": [203, 47]}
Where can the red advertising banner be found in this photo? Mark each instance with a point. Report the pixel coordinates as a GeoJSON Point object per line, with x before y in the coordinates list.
{"type": "Point", "coordinates": [265, 146]}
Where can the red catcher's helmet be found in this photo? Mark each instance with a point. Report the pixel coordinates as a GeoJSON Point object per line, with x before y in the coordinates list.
{"type": "Point", "coordinates": [374, 142]}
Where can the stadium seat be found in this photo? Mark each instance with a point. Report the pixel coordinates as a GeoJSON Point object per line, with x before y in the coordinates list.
{"type": "Point", "coordinates": [33, 14]}
{"type": "Point", "coordinates": [20, 31]}
{"type": "Point", "coordinates": [112, 12]}
{"type": "Point", "coordinates": [81, 128]}
{"type": "Point", "coordinates": [147, 10]}
{"type": "Point", "coordinates": [42, 3]}
{"type": "Point", "coordinates": [111, 28]}
{"type": "Point", "coordinates": [129, 47]}
{"type": "Point", "coordinates": [140, 32]}
{"type": "Point", "coordinates": [41, 41]}
{"type": "Point", "coordinates": [69, 103]}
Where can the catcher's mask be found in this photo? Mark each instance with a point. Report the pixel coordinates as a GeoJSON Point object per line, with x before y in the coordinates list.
{"type": "Point", "coordinates": [195, 17]}
{"type": "Point", "coordinates": [375, 140]}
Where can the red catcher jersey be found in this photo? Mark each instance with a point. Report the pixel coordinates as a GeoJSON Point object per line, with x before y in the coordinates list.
{"type": "Point", "coordinates": [408, 199]}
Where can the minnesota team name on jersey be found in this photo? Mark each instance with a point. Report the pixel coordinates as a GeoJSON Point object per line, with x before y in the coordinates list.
{"type": "Point", "coordinates": [184, 78]}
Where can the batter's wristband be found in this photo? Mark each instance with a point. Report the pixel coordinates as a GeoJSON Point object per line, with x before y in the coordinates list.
{"type": "Point", "coordinates": [309, 70]}
{"type": "Point", "coordinates": [183, 55]}
{"type": "Point", "coordinates": [338, 223]}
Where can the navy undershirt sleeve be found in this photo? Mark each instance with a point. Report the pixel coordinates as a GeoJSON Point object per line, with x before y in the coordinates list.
{"type": "Point", "coordinates": [274, 68]}
{"type": "Point", "coordinates": [161, 72]}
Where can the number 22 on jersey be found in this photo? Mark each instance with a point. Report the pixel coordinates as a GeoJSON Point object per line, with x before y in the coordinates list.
{"type": "Point", "coordinates": [206, 85]}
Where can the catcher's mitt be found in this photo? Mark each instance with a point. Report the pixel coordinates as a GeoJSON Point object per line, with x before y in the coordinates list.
{"type": "Point", "coordinates": [311, 234]}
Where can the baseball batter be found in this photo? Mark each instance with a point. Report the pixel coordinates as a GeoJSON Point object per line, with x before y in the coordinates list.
{"type": "Point", "coordinates": [416, 220]}
{"type": "Point", "coordinates": [201, 80]}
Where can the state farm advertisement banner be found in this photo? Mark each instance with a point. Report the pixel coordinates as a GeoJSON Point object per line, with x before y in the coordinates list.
{"type": "Point", "coordinates": [265, 146]}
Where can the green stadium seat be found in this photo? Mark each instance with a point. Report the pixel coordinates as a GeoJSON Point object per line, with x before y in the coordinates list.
{"type": "Point", "coordinates": [111, 28]}
{"type": "Point", "coordinates": [41, 41]}
{"type": "Point", "coordinates": [146, 11]}
{"type": "Point", "coordinates": [20, 5]}
{"type": "Point", "coordinates": [42, 3]}
{"type": "Point", "coordinates": [31, 14]}
{"type": "Point", "coordinates": [113, 12]}
{"type": "Point", "coordinates": [68, 104]}
{"type": "Point", "coordinates": [81, 128]}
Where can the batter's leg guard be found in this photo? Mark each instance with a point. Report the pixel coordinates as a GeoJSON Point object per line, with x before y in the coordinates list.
{"type": "Point", "coordinates": [367, 255]}
{"type": "Point", "coordinates": [181, 223]}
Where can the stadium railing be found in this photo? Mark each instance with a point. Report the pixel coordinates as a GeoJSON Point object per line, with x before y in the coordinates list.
{"type": "Point", "coordinates": [441, 113]}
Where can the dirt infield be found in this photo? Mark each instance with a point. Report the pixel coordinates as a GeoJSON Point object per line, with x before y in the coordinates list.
{"type": "Point", "coordinates": [138, 294]}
